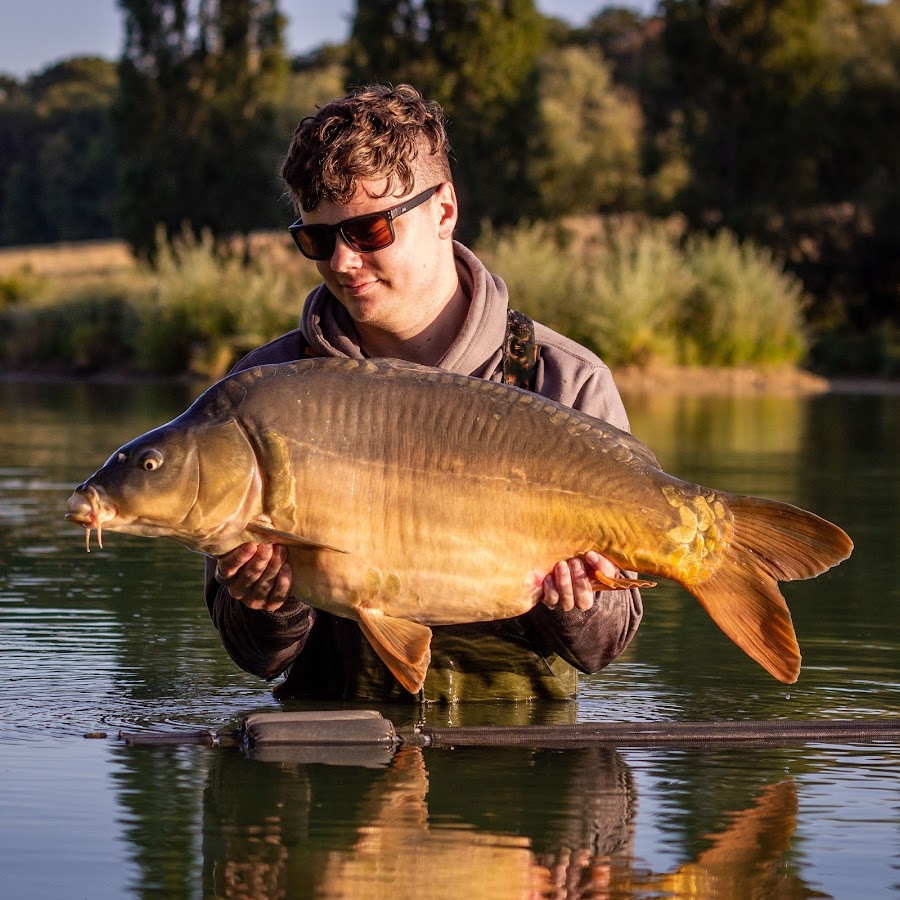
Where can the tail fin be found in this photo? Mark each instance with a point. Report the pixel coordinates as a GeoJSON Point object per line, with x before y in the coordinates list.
{"type": "Point", "coordinates": [772, 542]}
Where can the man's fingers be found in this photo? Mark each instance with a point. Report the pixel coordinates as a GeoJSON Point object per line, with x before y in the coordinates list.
{"type": "Point", "coordinates": [266, 585]}
{"type": "Point", "coordinates": [602, 564]}
{"type": "Point", "coordinates": [230, 563]}
{"type": "Point", "coordinates": [562, 573]}
{"type": "Point", "coordinates": [272, 590]}
{"type": "Point", "coordinates": [551, 593]}
{"type": "Point", "coordinates": [284, 583]}
{"type": "Point", "coordinates": [256, 567]}
{"type": "Point", "coordinates": [569, 586]}
{"type": "Point", "coordinates": [583, 592]}
{"type": "Point", "coordinates": [257, 575]}
{"type": "Point", "coordinates": [281, 589]}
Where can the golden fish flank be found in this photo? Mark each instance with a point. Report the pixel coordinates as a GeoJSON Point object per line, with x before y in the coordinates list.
{"type": "Point", "coordinates": [410, 497]}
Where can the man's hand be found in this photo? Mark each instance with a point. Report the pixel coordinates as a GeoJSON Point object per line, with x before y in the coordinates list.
{"type": "Point", "coordinates": [568, 586]}
{"type": "Point", "coordinates": [258, 575]}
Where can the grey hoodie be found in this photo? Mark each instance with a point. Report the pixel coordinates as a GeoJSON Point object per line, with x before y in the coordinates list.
{"type": "Point", "coordinates": [534, 655]}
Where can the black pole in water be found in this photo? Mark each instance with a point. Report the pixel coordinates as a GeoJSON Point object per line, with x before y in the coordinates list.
{"type": "Point", "coordinates": [629, 734]}
{"type": "Point", "coordinates": [369, 728]}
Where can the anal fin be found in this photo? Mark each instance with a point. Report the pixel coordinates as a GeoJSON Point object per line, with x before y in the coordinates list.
{"type": "Point", "coordinates": [403, 646]}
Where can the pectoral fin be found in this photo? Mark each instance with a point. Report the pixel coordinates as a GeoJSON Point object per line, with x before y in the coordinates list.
{"type": "Point", "coordinates": [403, 646]}
{"type": "Point", "coordinates": [600, 581]}
{"type": "Point", "coordinates": [273, 535]}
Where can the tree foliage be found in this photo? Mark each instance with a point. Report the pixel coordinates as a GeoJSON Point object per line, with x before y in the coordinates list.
{"type": "Point", "coordinates": [478, 59]}
{"type": "Point", "coordinates": [57, 166]}
{"type": "Point", "coordinates": [764, 86]}
{"type": "Point", "coordinates": [573, 170]}
{"type": "Point", "coordinates": [774, 118]}
{"type": "Point", "coordinates": [199, 89]}
{"type": "Point", "coordinates": [790, 111]}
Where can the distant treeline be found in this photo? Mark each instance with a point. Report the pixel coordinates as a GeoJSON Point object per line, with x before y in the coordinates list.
{"type": "Point", "coordinates": [774, 119]}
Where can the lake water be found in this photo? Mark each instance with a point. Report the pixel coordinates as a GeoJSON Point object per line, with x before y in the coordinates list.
{"type": "Point", "coordinates": [120, 640]}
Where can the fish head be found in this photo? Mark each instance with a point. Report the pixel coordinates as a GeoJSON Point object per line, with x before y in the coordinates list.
{"type": "Point", "coordinates": [186, 481]}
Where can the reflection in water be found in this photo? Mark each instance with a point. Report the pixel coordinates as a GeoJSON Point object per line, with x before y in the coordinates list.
{"type": "Point", "coordinates": [745, 859]}
{"type": "Point", "coordinates": [468, 825]}
{"type": "Point", "coordinates": [727, 423]}
{"type": "Point", "coordinates": [441, 824]}
{"type": "Point", "coordinates": [396, 852]}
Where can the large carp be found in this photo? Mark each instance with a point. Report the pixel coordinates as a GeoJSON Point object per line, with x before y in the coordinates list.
{"type": "Point", "coordinates": [410, 497]}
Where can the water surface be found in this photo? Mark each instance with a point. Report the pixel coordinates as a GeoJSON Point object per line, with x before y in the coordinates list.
{"type": "Point", "coordinates": [120, 639]}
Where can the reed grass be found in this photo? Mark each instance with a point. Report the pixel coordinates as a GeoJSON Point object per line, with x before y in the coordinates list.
{"type": "Point", "coordinates": [196, 309]}
{"type": "Point", "coordinates": [636, 291]}
{"type": "Point", "coordinates": [205, 307]}
{"type": "Point", "coordinates": [742, 307]}
{"type": "Point", "coordinates": [639, 292]}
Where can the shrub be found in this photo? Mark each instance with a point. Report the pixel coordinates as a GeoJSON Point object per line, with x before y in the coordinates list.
{"type": "Point", "coordinates": [89, 331]}
{"type": "Point", "coordinates": [633, 290]}
{"type": "Point", "coordinates": [638, 292]}
{"type": "Point", "coordinates": [534, 261]}
{"type": "Point", "coordinates": [616, 290]}
{"type": "Point", "coordinates": [208, 307]}
{"type": "Point", "coordinates": [20, 286]}
{"type": "Point", "coordinates": [195, 310]}
{"type": "Point", "coordinates": [743, 308]}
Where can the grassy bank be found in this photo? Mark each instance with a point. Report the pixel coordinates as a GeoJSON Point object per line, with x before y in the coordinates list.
{"type": "Point", "coordinates": [642, 294]}
{"type": "Point", "coordinates": [194, 311]}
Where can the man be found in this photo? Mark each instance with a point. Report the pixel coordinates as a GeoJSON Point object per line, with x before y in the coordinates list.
{"type": "Point", "coordinates": [370, 176]}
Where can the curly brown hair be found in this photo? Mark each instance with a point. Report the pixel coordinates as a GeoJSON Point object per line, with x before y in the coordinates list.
{"type": "Point", "coordinates": [373, 132]}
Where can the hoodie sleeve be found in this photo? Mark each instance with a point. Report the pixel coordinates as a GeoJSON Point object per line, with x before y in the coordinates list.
{"type": "Point", "coordinates": [590, 639]}
{"type": "Point", "coordinates": [260, 642]}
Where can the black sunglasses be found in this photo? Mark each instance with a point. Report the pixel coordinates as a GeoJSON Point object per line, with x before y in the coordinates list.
{"type": "Point", "coordinates": [365, 234]}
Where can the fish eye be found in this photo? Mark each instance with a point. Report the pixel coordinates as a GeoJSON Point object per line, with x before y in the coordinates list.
{"type": "Point", "coordinates": [151, 460]}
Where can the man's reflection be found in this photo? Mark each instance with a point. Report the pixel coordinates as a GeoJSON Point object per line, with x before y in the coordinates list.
{"type": "Point", "coordinates": [469, 823]}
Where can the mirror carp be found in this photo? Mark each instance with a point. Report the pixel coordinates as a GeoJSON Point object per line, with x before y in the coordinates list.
{"type": "Point", "coordinates": [408, 497]}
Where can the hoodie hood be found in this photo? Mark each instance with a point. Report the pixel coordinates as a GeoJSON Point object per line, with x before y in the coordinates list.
{"type": "Point", "coordinates": [330, 331]}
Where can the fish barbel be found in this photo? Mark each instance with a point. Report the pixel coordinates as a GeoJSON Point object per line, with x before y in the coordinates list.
{"type": "Point", "coordinates": [408, 497]}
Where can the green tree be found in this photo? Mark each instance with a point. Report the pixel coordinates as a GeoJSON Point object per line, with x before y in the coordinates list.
{"type": "Point", "coordinates": [57, 168]}
{"type": "Point", "coordinates": [586, 151]}
{"type": "Point", "coordinates": [791, 110]}
{"type": "Point", "coordinates": [200, 87]}
{"type": "Point", "coordinates": [632, 47]}
{"type": "Point", "coordinates": [478, 59]}
{"type": "Point", "coordinates": [761, 80]}
{"type": "Point", "coordinates": [314, 79]}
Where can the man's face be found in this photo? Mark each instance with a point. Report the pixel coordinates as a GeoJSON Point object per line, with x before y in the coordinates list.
{"type": "Point", "coordinates": [399, 288]}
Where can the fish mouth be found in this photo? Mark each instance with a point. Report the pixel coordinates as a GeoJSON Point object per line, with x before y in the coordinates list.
{"type": "Point", "coordinates": [88, 508]}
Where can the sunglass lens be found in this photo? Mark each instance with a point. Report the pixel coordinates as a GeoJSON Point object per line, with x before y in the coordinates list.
{"type": "Point", "coordinates": [368, 233]}
{"type": "Point", "coordinates": [315, 241]}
